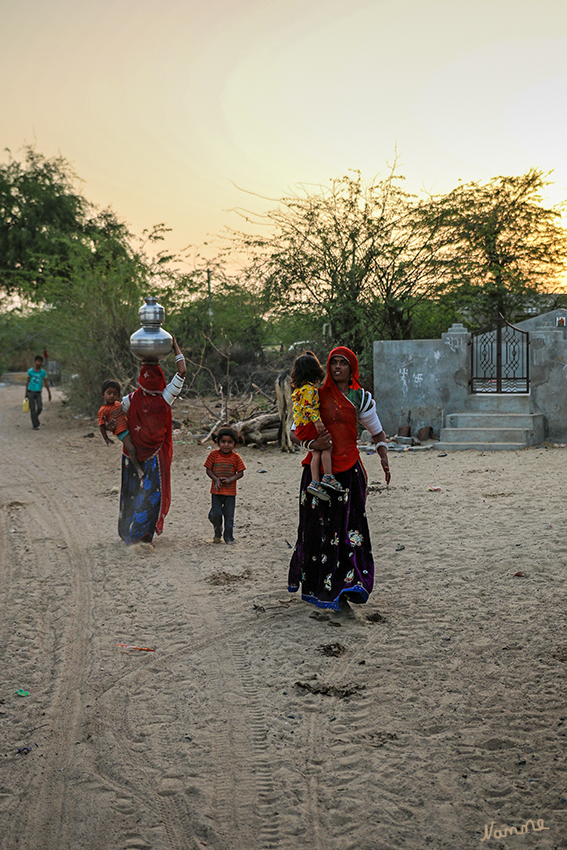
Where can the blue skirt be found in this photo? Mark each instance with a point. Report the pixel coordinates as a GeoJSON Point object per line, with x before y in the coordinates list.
{"type": "Point", "coordinates": [139, 505]}
{"type": "Point", "coordinates": [333, 553]}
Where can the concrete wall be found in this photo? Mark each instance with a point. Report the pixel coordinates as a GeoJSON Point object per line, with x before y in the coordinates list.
{"type": "Point", "coordinates": [419, 382]}
{"type": "Point", "coordinates": [546, 322]}
{"type": "Point", "coordinates": [548, 371]}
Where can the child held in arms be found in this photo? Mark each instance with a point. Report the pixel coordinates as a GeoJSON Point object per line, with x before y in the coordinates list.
{"type": "Point", "coordinates": [306, 374]}
{"type": "Point", "coordinates": [111, 413]}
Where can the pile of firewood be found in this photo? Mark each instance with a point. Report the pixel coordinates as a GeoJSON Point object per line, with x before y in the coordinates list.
{"type": "Point", "coordinates": [260, 429]}
{"type": "Point", "coordinates": [256, 429]}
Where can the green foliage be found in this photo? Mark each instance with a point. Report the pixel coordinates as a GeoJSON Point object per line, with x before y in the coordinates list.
{"type": "Point", "coordinates": [48, 231]}
{"type": "Point", "coordinates": [433, 318]}
{"type": "Point", "coordinates": [287, 329]}
{"type": "Point", "coordinates": [357, 257]}
{"type": "Point", "coordinates": [216, 317]}
{"type": "Point", "coordinates": [231, 312]}
{"type": "Point", "coordinates": [81, 267]}
{"type": "Point", "coordinates": [22, 335]}
{"type": "Point", "coordinates": [90, 330]}
{"type": "Point", "coordinates": [507, 250]}
{"type": "Point", "coordinates": [345, 264]}
{"type": "Point", "coordinates": [372, 261]}
{"type": "Point", "coordinates": [40, 213]}
{"type": "Point", "coordinates": [94, 313]}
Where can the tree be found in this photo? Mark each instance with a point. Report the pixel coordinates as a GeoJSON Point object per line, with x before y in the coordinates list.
{"type": "Point", "coordinates": [220, 319]}
{"type": "Point", "coordinates": [360, 257]}
{"type": "Point", "coordinates": [78, 271]}
{"type": "Point", "coordinates": [93, 313]}
{"type": "Point", "coordinates": [507, 251]}
{"type": "Point", "coordinates": [41, 212]}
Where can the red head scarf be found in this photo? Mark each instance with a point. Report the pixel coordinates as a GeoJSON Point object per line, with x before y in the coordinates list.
{"type": "Point", "coordinates": [339, 414]}
{"type": "Point", "coordinates": [152, 379]}
{"type": "Point", "coordinates": [352, 360]}
{"type": "Point", "coordinates": [149, 417]}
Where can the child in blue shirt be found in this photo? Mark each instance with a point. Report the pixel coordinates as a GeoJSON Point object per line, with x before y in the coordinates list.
{"type": "Point", "coordinates": [37, 379]}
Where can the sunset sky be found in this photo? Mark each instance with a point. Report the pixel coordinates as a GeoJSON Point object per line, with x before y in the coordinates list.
{"type": "Point", "coordinates": [166, 108]}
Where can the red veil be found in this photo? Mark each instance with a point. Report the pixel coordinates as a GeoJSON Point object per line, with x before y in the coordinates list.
{"type": "Point", "coordinates": [339, 414]}
{"type": "Point", "coordinates": [149, 423]}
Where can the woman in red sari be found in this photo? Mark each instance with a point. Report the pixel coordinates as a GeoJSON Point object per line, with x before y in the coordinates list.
{"type": "Point", "coordinates": [332, 560]}
{"type": "Point", "coordinates": [144, 502]}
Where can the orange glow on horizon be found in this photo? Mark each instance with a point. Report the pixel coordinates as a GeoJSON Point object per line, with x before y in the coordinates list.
{"type": "Point", "coordinates": [164, 109]}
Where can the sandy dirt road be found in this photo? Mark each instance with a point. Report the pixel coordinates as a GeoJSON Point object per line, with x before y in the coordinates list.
{"type": "Point", "coordinates": [439, 708]}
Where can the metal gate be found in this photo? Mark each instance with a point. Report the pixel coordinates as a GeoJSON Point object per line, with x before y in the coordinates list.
{"type": "Point", "coordinates": [500, 359]}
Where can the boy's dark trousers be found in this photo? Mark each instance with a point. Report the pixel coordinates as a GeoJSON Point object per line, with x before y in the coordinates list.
{"type": "Point", "coordinates": [36, 406]}
{"type": "Point", "coordinates": [223, 506]}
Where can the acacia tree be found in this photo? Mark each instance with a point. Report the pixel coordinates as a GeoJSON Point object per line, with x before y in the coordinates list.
{"type": "Point", "coordinates": [47, 227]}
{"type": "Point", "coordinates": [81, 269]}
{"type": "Point", "coordinates": [360, 256]}
{"type": "Point", "coordinates": [41, 214]}
{"type": "Point", "coordinates": [507, 251]}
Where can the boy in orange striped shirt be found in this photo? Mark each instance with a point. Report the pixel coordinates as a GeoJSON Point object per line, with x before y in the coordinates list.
{"type": "Point", "coordinates": [224, 467]}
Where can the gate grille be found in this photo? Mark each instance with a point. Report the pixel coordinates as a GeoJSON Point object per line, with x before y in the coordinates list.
{"type": "Point", "coordinates": [500, 359]}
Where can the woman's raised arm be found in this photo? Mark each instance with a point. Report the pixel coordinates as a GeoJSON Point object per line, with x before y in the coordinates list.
{"type": "Point", "coordinates": [175, 386]}
{"type": "Point", "coordinates": [179, 360]}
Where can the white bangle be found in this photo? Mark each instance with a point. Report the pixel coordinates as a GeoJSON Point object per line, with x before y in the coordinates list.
{"type": "Point", "coordinates": [179, 357]}
{"type": "Point", "coordinates": [381, 444]}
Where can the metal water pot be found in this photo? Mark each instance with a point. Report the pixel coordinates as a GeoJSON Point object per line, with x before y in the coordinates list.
{"type": "Point", "coordinates": [151, 342]}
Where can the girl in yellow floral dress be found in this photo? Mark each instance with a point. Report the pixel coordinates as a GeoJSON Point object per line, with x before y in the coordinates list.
{"type": "Point", "coordinates": [306, 374]}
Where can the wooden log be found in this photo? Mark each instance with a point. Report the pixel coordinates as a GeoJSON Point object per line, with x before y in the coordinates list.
{"type": "Point", "coordinates": [258, 423]}
{"type": "Point", "coordinates": [267, 435]}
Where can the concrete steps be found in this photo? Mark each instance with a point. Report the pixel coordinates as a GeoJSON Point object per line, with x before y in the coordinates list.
{"type": "Point", "coordinates": [487, 435]}
{"type": "Point", "coordinates": [494, 423]}
{"type": "Point", "coordinates": [479, 447]}
{"type": "Point", "coordinates": [522, 421]}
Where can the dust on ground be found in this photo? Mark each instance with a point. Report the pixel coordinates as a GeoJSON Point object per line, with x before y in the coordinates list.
{"type": "Point", "coordinates": [242, 722]}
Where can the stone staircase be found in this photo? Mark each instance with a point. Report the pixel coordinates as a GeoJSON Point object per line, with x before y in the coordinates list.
{"type": "Point", "coordinates": [493, 423]}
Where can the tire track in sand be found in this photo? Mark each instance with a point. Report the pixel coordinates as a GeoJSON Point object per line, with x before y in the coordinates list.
{"type": "Point", "coordinates": [269, 827]}
{"type": "Point", "coordinates": [45, 824]}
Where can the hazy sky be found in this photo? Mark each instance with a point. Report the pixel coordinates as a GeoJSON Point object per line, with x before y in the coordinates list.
{"type": "Point", "coordinates": [164, 108]}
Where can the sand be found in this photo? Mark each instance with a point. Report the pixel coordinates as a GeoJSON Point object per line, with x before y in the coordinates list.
{"type": "Point", "coordinates": [439, 708]}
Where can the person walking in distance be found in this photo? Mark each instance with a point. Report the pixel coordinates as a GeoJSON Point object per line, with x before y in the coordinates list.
{"type": "Point", "coordinates": [37, 379]}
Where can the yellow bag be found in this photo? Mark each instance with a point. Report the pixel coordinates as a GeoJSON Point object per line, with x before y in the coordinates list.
{"type": "Point", "coordinates": [26, 405]}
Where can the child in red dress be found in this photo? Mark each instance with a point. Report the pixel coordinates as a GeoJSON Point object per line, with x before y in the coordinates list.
{"type": "Point", "coordinates": [305, 375]}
